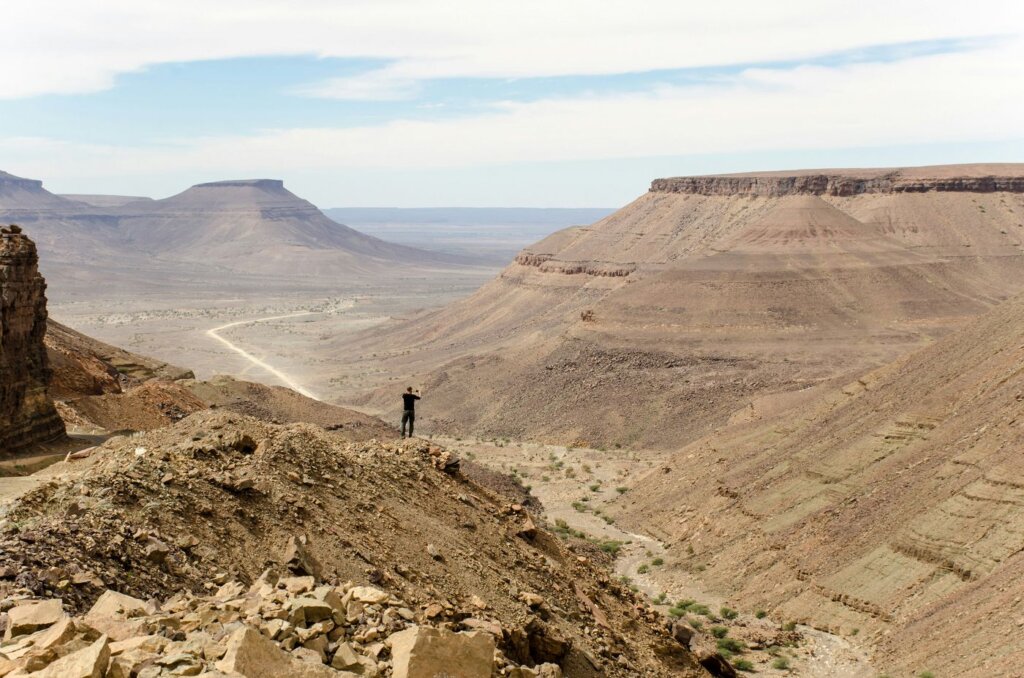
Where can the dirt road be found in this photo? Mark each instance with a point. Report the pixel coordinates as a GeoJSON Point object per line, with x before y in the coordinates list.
{"type": "Point", "coordinates": [282, 376]}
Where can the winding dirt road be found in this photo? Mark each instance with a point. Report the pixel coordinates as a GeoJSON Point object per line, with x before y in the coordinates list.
{"type": "Point", "coordinates": [288, 381]}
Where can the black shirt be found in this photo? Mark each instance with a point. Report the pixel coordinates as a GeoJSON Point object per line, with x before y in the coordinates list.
{"type": "Point", "coordinates": [410, 401]}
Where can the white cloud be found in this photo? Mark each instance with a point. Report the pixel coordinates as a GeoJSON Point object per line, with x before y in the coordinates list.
{"type": "Point", "coordinates": [970, 96]}
{"type": "Point", "coordinates": [373, 86]}
{"type": "Point", "coordinates": [66, 46]}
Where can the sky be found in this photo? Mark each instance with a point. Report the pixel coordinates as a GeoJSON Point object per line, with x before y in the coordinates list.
{"type": "Point", "coordinates": [553, 103]}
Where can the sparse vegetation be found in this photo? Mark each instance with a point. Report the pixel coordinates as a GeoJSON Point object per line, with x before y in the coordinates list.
{"type": "Point", "coordinates": [781, 663]}
{"type": "Point", "coordinates": [643, 569]}
{"type": "Point", "coordinates": [658, 562]}
{"type": "Point", "coordinates": [743, 665]}
{"type": "Point", "coordinates": [731, 644]}
{"type": "Point", "coordinates": [621, 489]}
{"type": "Point", "coordinates": [789, 626]}
{"type": "Point", "coordinates": [760, 614]}
{"type": "Point", "coordinates": [728, 612]}
{"type": "Point", "coordinates": [719, 631]}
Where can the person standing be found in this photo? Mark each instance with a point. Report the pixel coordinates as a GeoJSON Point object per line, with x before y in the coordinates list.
{"type": "Point", "coordinates": [409, 410]}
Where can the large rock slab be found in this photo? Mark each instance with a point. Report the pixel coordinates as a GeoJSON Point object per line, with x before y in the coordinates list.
{"type": "Point", "coordinates": [115, 614]}
{"type": "Point", "coordinates": [426, 652]}
{"type": "Point", "coordinates": [253, 655]}
{"type": "Point", "coordinates": [31, 617]}
{"type": "Point", "coordinates": [90, 662]}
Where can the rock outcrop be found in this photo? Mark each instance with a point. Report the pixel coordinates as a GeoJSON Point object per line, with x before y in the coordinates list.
{"type": "Point", "coordinates": [845, 183]}
{"type": "Point", "coordinates": [27, 415]}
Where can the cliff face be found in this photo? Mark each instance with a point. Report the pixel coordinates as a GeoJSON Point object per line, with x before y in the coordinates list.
{"type": "Point", "coordinates": [27, 415]}
{"type": "Point", "coordinates": [846, 184]}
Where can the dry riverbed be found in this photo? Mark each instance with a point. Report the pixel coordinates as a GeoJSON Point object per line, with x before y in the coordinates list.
{"type": "Point", "coordinates": [575, 486]}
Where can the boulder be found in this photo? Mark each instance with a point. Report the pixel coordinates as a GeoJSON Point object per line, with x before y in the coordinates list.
{"type": "Point", "coordinates": [426, 652]}
{"type": "Point", "coordinates": [253, 655]}
{"type": "Point", "coordinates": [90, 662]}
{"type": "Point", "coordinates": [115, 614]}
{"type": "Point", "coordinates": [31, 617]}
{"type": "Point", "coordinates": [299, 559]}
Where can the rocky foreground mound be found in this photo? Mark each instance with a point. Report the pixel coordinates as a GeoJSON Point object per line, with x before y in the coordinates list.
{"type": "Point", "coordinates": [172, 514]}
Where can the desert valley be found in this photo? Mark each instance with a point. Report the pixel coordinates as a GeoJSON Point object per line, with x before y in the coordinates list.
{"type": "Point", "coordinates": [762, 422]}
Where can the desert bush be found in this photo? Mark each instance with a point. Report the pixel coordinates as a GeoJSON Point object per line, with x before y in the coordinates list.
{"type": "Point", "coordinates": [728, 612]}
{"type": "Point", "coordinates": [658, 562]}
{"type": "Point", "coordinates": [731, 644]}
{"type": "Point", "coordinates": [743, 665]}
{"type": "Point", "coordinates": [719, 631]}
{"type": "Point", "coordinates": [760, 614]}
{"type": "Point", "coordinates": [780, 663]}
{"type": "Point", "coordinates": [622, 490]}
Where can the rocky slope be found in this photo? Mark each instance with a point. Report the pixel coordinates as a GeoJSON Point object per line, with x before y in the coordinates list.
{"type": "Point", "coordinates": [221, 497]}
{"type": "Point", "coordinates": [27, 414]}
{"type": "Point", "coordinates": [891, 510]}
{"type": "Point", "coordinates": [657, 323]}
{"type": "Point", "coordinates": [259, 225]}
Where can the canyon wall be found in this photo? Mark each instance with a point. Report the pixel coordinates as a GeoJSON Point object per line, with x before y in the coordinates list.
{"type": "Point", "coordinates": [27, 415]}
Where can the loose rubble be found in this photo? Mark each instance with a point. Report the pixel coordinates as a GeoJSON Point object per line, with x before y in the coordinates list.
{"type": "Point", "coordinates": [278, 626]}
{"type": "Point", "coordinates": [199, 547]}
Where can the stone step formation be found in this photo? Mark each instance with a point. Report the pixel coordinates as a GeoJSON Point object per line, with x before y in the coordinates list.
{"type": "Point", "coordinates": [27, 415]}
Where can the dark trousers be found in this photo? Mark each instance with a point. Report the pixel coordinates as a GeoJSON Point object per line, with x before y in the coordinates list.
{"type": "Point", "coordinates": [408, 416]}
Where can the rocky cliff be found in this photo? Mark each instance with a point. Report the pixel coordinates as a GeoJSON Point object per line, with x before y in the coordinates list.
{"type": "Point", "coordinates": [848, 182]}
{"type": "Point", "coordinates": [27, 415]}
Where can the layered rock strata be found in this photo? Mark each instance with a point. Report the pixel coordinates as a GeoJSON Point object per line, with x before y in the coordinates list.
{"type": "Point", "coordinates": [776, 185]}
{"type": "Point", "coordinates": [27, 415]}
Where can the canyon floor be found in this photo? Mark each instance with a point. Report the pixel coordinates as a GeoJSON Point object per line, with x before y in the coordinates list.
{"type": "Point", "coordinates": [579, 486]}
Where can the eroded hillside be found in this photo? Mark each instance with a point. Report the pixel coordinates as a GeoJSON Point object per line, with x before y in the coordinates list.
{"type": "Point", "coordinates": [892, 510]}
{"type": "Point", "coordinates": [657, 323]}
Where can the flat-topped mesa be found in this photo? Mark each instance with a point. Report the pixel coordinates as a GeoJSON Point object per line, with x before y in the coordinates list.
{"type": "Point", "coordinates": [272, 184]}
{"type": "Point", "coordinates": [974, 179]}
{"type": "Point", "coordinates": [27, 415]}
{"type": "Point", "coordinates": [9, 180]}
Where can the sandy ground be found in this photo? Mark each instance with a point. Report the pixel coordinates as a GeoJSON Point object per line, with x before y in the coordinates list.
{"type": "Point", "coordinates": [575, 485]}
{"type": "Point", "coordinates": [277, 337]}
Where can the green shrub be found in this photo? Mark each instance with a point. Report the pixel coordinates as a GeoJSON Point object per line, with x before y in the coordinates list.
{"type": "Point", "coordinates": [789, 626]}
{"type": "Point", "coordinates": [719, 631]}
{"type": "Point", "coordinates": [926, 674]}
{"type": "Point", "coordinates": [608, 519]}
{"type": "Point", "coordinates": [780, 663]}
{"type": "Point", "coordinates": [621, 490]}
{"type": "Point", "coordinates": [643, 569]}
{"type": "Point", "coordinates": [685, 603]}
{"type": "Point", "coordinates": [658, 562]}
{"type": "Point", "coordinates": [611, 547]}
{"type": "Point", "coordinates": [677, 612]}
{"type": "Point", "coordinates": [760, 614]}
{"type": "Point", "coordinates": [700, 609]}
{"type": "Point", "coordinates": [595, 487]}
{"type": "Point", "coordinates": [743, 665]}
{"type": "Point", "coordinates": [728, 612]}
{"type": "Point", "coordinates": [731, 644]}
